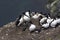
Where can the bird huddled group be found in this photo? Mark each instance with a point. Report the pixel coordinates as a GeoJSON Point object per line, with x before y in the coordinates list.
{"type": "Point", "coordinates": [45, 22]}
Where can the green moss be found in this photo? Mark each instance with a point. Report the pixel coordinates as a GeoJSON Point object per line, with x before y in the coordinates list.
{"type": "Point", "coordinates": [49, 38]}
{"type": "Point", "coordinates": [58, 36]}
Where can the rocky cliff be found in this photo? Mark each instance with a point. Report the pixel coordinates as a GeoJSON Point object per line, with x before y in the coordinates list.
{"type": "Point", "coordinates": [11, 32]}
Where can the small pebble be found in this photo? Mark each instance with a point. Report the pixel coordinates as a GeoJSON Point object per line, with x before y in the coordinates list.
{"type": "Point", "coordinates": [32, 38]}
{"type": "Point", "coordinates": [36, 31]}
{"type": "Point", "coordinates": [2, 37]}
{"type": "Point", "coordinates": [47, 33]}
{"type": "Point", "coordinates": [59, 26]}
{"type": "Point", "coordinates": [6, 34]}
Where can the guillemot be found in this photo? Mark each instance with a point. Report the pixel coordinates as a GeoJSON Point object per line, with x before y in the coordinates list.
{"type": "Point", "coordinates": [36, 16]}
{"type": "Point", "coordinates": [45, 25]}
{"type": "Point", "coordinates": [27, 13]}
{"type": "Point", "coordinates": [22, 18]}
{"type": "Point", "coordinates": [19, 20]}
{"type": "Point", "coordinates": [43, 20]}
{"type": "Point", "coordinates": [55, 23]}
{"type": "Point", "coordinates": [32, 28]}
{"type": "Point", "coordinates": [27, 16]}
{"type": "Point", "coordinates": [49, 20]}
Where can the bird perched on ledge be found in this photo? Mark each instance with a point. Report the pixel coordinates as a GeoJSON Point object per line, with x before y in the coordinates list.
{"type": "Point", "coordinates": [36, 16]}
{"type": "Point", "coordinates": [19, 20]}
{"type": "Point", "coordinates": [49, 20]}
{"type": "Point", "coordinates": [45, 25]}
{"type": "Point", "coordinates": [38, 21]}
{"type": "Point", "coordinates": [27, 13]}
{"type": "Point", "coordinates": [55, 23]}
{"type": "Point", "coordinates": [42, 21]}
{"type": "Point", "coordinates": [23, 18]}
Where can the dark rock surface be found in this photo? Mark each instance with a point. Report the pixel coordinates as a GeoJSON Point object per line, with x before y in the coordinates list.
{"type": "Point", "coordinates": [10, 32]}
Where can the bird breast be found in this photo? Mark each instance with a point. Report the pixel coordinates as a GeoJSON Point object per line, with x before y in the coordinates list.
{"type": "Point", "coordinates": [32, 27]}
{"type": "Point", "coordinates": [27, 13]}
{"type": "Point", "coordinates": [20, 21]}
{"type": "Point", "coordinates": [36, 16]}
{"type": "Point", "coordinates": [42, 20]}
{"type": "Point", "coordinates": [49, 20]}
{"type": "Point", "coordinates": [54, 23]}
{"type": "Point", "coordinates": [45, 25]}
{"type": "Point", "coordinates": [26, 18]}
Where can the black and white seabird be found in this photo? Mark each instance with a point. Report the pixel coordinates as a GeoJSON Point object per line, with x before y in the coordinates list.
{"type": "Point", "coordinates": [43, 20]}
{"type": "Point", "coordinates": [19, 20]}
{"type": "Point", "coordinates": [22, 18]}
{"type": "Point", "coordinates": [27, 13]}
{"type": "Point", "coordinates": [49, 20]}
{"type": "Point", "coordinates": [26, 16]}
{"type": "Point", "coordinates": [36, 16]}
{"type": "Point", "coordinates": [55, 22]}
{"type": "Point", "coordinates": [45, 25]}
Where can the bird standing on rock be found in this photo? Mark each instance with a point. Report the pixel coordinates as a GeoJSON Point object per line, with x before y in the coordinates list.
{"type": "Point", "coordinates": [27, 16]}
{"type": "Point", "coordinates": [49, 20]}
{"type": "Point", "coordinates": [43, 20]}
{"type": "Point", "coordinates": [45, 25]}
{"type": "Point", "coordinates": [27, 13]}
{"type": "Point", "coordinates": [36, 16]}
{"type": "Point", "coordinates": [55, 23]}
{"type": "Point", "coordinates": [19, 20]}
{"type": "Point", "coordinates": [23, 18]}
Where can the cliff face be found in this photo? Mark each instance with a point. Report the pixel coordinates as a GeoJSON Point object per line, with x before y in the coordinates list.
{"type": "Point", "coordinates": [10, 32]}
{"type": "Point", "coordinates": [54, 8]}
